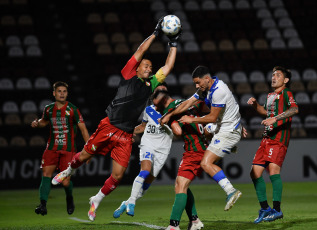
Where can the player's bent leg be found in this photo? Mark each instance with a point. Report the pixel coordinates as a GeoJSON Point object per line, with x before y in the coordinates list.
{"type": "Point", "coordinates": [138, 186]}
{"type": "Point", "coordinates": [217, 174]}
{"type": "Point", "coordinates": [76, 162]}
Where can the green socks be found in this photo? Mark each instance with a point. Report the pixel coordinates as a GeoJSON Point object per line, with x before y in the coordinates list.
{"type": "Point", "coordinates": [277, 187]}
{"type": "Point", "coordinates": [179, 206]}
{"type": "Point", "coordinates": [69, 189]}
{"type": "Point", "coordinates": [45, 188]}
{"type": "Point", "coordinates": [260, 188]}
{"type": "Point", "coordinates": [190, 205]}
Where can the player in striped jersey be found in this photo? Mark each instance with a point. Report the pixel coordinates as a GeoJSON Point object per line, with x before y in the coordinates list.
{"type": "Point", "coordinates": [195, 145]}
{"type": "Point", "coordinates": [63, 118]}
{"type": "Point", "coordinates": [279, 108]}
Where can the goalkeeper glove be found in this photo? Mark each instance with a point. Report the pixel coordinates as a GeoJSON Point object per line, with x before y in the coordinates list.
{"type": "Point", "coordinates": [174, 39]}
{"type": "Point", "coordinates": [158, 27]}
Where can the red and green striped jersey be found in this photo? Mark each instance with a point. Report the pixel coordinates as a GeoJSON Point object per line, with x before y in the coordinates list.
{"type": "Point", "coordinates": [192, 134]}
{"type": "Point", "coordinates": [277, 103]}
{"type": "Point", "coordinates": [63, 126]}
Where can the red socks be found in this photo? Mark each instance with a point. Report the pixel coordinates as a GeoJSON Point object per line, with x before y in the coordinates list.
{"type": "Point", "coordinates": [75, 163]}
{"type": "Point", "coordinates": [109, 185]}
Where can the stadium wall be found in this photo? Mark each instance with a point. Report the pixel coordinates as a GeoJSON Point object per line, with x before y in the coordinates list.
{"type": "Point", "coordinates": [21, 169]}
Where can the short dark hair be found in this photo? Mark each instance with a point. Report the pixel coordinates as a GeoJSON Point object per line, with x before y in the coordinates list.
{"type": "Point", "coordinates": [58, 84]}
{"type": "Point", "coordinates": [200, 71]}
{"type": "Point", "coordinates": [158, 92]}
{"type": "Point", "coordinates": [287, 73]}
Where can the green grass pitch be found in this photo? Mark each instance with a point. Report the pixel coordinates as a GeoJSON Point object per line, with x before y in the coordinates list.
{"type": "Point", "coordinates": [299, 206]}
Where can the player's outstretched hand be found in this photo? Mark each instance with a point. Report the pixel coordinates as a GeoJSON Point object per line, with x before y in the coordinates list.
{"type": "Point", "coordinates": [158, 27]}
{"type": "Point", "coordinates": [174, 39]}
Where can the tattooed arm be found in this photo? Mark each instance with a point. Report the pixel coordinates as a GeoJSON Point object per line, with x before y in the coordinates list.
{"type": "Point", "coordinates": [288, 113]}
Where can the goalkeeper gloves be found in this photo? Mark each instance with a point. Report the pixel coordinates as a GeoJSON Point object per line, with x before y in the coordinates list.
{"type": "Point", "coordinates": [158, 27]}
{"type": "Point", "coordinates": [174, 39]}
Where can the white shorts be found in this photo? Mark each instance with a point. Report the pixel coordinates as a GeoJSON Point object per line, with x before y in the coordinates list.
{"type": "Point", "coordinates": [223, 143]}
{"type": "Point", "coordinates": [158, 159]}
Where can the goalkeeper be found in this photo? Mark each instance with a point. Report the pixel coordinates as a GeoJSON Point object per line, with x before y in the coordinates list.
{"type": "Point", "coordinates": [114, 133]}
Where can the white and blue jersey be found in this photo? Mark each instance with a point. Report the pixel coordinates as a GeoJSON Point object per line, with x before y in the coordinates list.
{"type": "Point", "coordinates": [220, 95]}
{"type": "Point", "coordinates": [156, 136]}
{"type": "Point", "coordinates": [156, 141]}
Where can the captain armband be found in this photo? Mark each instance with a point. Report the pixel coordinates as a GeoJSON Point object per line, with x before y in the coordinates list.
{"type": "Point", "coordinates": [160, 76]}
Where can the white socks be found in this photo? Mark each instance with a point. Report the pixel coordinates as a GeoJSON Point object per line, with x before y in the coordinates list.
{"type": "Point", "coordinates": [98, 198]}
{"type": "Point", "coordinates": [136, 189]}
{"type": "Point", "coordinates": [226, 186]}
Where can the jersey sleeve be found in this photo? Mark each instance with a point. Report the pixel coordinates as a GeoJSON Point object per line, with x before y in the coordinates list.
{"type": "Point", "coordinates": [129, 70]}
{"type": "Point", "coordinates": [77, 116]}
{"type": "Point", "coordinates": [45, 114]}
{"type": "Point", "coordinates": [218, 98]}
{"type": "Point", "coordinates": [145, 117]}
{"type": "Point", "coordinates": [199, 95]}
{"type": "Point", "coordinates": [290, 100]}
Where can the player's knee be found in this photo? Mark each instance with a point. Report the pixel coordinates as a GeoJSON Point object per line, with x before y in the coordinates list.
{"type": "Point", "coordinates": [180, 188]}
{"type": "Point", "coordinates": [204, 165]}
{"type": "Point", "coordinates": [117, 176]}
{"type": "Point", "coordinates": [84, 155]}
{"type": "Point", "coordinates": [144, 174]}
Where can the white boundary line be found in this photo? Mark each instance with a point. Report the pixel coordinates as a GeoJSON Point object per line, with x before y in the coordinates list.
{"type": "Point", "coordinates": [80, 220]}
{"type": "Point", "coordinates": [121, 222]}
{"type": "Point", "coordinates": [140, 224]}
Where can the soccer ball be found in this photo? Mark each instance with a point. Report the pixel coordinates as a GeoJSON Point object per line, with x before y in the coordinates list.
{"type": "Point", "coordinates": [171, 25]}
{"type": "Point", "coordinates": [211, 128]}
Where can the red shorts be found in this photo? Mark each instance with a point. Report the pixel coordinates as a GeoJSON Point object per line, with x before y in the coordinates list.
{"type": "Point", "coordinates": [190, 165]}
{"type": "Point", "coordinates": [59, 158]}
{"type": "Point", "coordinates": [109, 138]}
{"type": "Point", "coordinates": [270, 151]}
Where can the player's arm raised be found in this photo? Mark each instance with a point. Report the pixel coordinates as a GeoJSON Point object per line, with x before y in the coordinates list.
{"type": "Point", "coordinates": [259, 108]}
{"type": "Point", "coordinates": [170, 60]}
{"type": "Point", "coordinates": [148, 41]}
